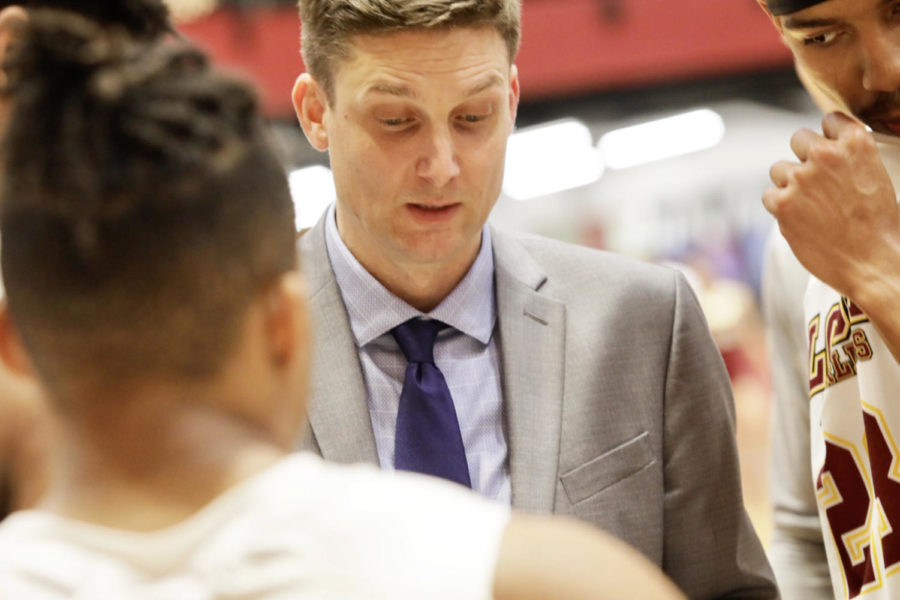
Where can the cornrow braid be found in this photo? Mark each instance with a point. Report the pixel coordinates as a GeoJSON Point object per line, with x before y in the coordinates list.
{"type": "Point", "coordinates": [142, 208]}
{"type": "Point", "coordinates": [146, 19]}
{"type": "Point", "coordinates": [99, 94]}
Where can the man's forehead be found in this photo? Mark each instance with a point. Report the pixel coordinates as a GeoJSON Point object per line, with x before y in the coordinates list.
{"type": "Point", "coordinates": [786, 7]}
{"type": "Point", "coordinates": [397, 63]}
{"type": "Point", "coordinates": [420, 40]}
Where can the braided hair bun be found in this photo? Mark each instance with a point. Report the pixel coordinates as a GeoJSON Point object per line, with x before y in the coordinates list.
{"type": "Point", "coordinates": [111, 115]}
{"type": "Point", "coordinates": [145, 19]}
{"type": "Point", "coordinates": [142, 205]}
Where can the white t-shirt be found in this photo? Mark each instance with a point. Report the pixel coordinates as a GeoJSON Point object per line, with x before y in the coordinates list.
{"type": "Point", "coordinates": [854, 385]}
{"type": "Point", "coordinates": [302, 529]}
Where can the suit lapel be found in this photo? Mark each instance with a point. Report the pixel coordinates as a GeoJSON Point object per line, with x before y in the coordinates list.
{"type": "Point", "coordinates": [532, 344]}
{"type": "Point", "coordinates": [338, 410]}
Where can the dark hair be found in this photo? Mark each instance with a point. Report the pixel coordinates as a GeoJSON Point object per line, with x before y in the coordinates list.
{"type": "Point", "coordinates": [141, 18]}
{"type": "Point", "coordinates": [143, 208]}
{"type": "Point", "coordinates": [329, 25]}
{"type": "Point", "coordinates": [784, 7]}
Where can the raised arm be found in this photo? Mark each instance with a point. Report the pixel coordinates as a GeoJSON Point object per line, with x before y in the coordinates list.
{"type": "Point", "coordinates": [838, 211]}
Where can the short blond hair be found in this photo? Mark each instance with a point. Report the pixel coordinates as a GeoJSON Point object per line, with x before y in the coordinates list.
{"type": "Point", "coordinates": [329, 25]}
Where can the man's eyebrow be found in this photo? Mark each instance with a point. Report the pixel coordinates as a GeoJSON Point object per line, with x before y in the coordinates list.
{"type": "Point", "coordinates": [801, 23]}
{"type": "Point", "coordinates": [404, 91]}
{"type": "Point", "coordinates": [383, 87]}
{"type": "Point", "coordinates": [486, 84]}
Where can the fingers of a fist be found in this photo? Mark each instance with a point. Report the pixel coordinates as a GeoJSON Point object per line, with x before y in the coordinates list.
{"type": "Point", "coordinates": [843, 137]}
{"type": "Point", "coordinates": [836, 124]}
{"type": "Point", "coordinates": [802, 141]}
{"type": "Point", "coordinates": [790, 178]}
{"type": "Point", "coordinates": [780, 173]}
{"type": "Point", "coordinates": [772, 199]}
{"type": "Point", "coordinates": [850, 135]}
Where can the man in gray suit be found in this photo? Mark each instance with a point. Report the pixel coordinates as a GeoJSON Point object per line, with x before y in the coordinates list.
{"type": "Point", "coordinates": [582, 383]}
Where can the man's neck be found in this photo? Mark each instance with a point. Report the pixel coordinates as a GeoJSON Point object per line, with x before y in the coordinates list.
{"type": "Point", "coordinates": [148, 467]}
{"type": "Point", "coordinates": [423, 288]}
{"type": "Point", "coordinates": [421, 282]}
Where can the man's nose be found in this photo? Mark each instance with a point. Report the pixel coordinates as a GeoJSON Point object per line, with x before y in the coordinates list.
{"type": "Point", "coordinates": [881, 62]}
{"type": "Point", "coordinates": [438, 163]}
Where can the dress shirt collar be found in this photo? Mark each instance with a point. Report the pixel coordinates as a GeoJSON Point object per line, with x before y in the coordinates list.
{"type": "Point", "coordinates": [374, 311]}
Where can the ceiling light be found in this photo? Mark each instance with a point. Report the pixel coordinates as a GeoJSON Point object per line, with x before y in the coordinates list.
{"type": "Point", "coordinates": [550, 158]}
{"type": "Point", "coordinates": [664, 138]}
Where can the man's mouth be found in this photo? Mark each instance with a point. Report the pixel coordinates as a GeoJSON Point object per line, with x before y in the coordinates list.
{"type": "Point", "coordinates": [892, 125]}
{"type": "Point", "coordinates": [883, 116]}
{"type": "Point", "coordinates": [433, 208]}
{"type": "Point", "coordinates": [431, 213]}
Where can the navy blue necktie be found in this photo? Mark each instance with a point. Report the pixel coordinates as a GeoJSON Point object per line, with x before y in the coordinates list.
{"type": "Point", "coordinates": [428, 439]}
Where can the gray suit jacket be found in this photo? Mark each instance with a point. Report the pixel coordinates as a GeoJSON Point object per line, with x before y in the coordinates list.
{"type": "Point", "coordinates": [618, 406]}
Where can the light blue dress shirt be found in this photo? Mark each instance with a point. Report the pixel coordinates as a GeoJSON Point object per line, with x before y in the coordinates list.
{"type": "Point", "coordinates": [467, 353]}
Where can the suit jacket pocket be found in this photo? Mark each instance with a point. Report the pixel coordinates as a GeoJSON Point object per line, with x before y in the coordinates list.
{"type": "Point", "coordinates": [608, 469]}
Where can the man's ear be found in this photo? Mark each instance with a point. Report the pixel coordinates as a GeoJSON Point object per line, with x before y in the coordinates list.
{"type": "Point", "coordinates": [286, 326]}
{"type": "Point", "coordinates": [12, 351]}
{"type": "Point", "coordinates": [514, 92]}
{"type": "Point", "coordinates": [311, 104]}
{"type": "Point", "coordinates": [13, 20]}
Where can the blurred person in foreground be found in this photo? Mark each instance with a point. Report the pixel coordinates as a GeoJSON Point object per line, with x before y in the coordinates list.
{"type": "Point", "coordinates": [148, 253]}
{"type": "Point", "coordinates": [563, 379]}
{"type": "Point", "coordinates": [24, 427]}
{"type": "Point", "coordinates": [831, 290]}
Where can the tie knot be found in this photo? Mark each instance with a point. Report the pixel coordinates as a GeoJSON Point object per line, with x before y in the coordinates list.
{"type": "Point", "coordinates": [416, 339]}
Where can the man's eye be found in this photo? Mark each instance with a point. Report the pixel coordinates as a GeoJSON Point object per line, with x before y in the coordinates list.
{"type": "Point", "coordinates": [473, 118]}
{"type": "Point", "coordinates": [394, 121]}
{"type": "Point", "coordinates": [820, 39]}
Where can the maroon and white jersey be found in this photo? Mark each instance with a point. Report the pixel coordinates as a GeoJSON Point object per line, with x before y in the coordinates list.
{"type": "Point", "coordinates": [854, 385]}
